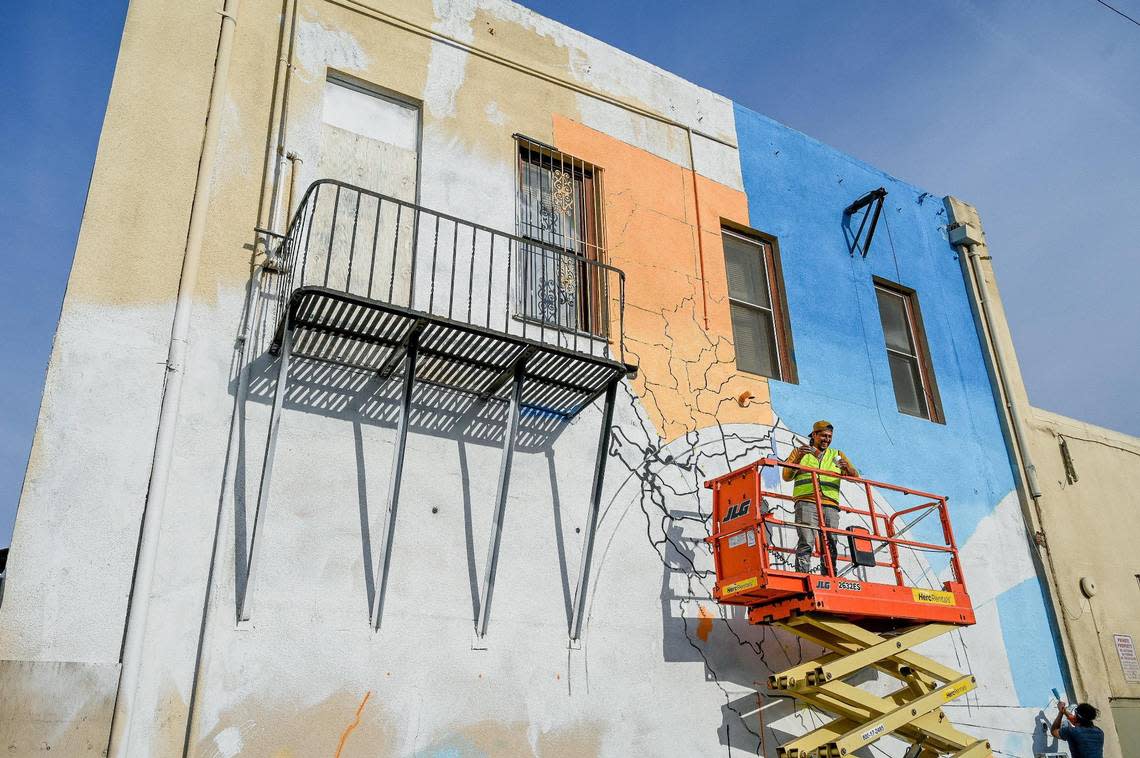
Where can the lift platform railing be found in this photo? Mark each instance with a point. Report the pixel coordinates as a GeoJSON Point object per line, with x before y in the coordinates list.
{"type": "Point", "coordinates": [863, 625]}
{"type": "Point", "coordinates": [351, 240]}
{"type": "Point", "coordinates": [885, 533]}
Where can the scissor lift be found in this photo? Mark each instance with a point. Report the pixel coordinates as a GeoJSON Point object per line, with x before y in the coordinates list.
{"type": "Point", "coordinates": [863, 608]}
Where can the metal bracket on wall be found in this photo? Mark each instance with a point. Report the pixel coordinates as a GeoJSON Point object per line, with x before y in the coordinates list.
{"type": "Point", "coordinates": [872, 205]}
{"type": "Point", "coordinates": [266, 471]}
{"type": "Point", "coordinates": [509, 435]}
{"type": "Point", "coordinates": [595, 507]}
{"type": "Point", "coordinates": [397, 357]}
{"type": "Point", "coordinates": [410, 350]}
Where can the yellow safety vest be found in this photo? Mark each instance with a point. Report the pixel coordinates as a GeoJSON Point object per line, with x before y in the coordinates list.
{"type": "Point", "coordinates": [828, 485]}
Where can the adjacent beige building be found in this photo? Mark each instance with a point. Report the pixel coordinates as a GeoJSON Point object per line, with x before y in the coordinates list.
{"type": "Point", "coordinates": [1091, 518]}
{"type": "Point", "coordinates": [1078, 488]}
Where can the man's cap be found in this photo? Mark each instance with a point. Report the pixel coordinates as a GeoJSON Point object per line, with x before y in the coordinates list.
{"type": "Point", "coordinates": [819, 426]}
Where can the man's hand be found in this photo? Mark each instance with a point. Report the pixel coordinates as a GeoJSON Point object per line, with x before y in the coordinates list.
{"type": "Point", "coordinates": [797, 454]}
{"type": "Point", "coordinates": [1056, 728]}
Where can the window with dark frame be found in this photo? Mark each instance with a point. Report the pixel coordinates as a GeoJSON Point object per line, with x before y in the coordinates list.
{"type": "Point", "coordinates": [759, 328]}
{"type": "Point", "coordinates": [916, 393]}
{"type": "Point", "coordinates": [559, 283]}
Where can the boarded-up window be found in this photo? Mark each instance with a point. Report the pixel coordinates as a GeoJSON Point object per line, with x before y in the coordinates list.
{"type": "Point", "coordinates": [369, 140]}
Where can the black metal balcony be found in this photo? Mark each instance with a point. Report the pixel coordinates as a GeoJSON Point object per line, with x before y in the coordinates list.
{"type": "Point", "coordinates": [373, 283]}
{"type": "Point", "coordinates": [363, 272]}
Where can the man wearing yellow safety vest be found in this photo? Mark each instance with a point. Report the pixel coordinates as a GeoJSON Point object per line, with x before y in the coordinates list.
{"type": "Point", "coordinates": [819, 455]}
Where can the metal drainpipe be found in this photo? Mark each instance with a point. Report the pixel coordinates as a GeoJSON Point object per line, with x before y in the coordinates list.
{"type": "Point", "coordinates": [700, 231]}
{"type": "Point", "coordinates": [295, 166]}
{"type": "Point", "coordinates": [286, 62]}
{"type": "Point", "coordinates": [974, 271]}
{"type": "Point", "coordinates": [135, 632]}
{"type": "Point", "coordinates": [248, 332]}
{"type": "Point", "coordinates": [1003, 373]}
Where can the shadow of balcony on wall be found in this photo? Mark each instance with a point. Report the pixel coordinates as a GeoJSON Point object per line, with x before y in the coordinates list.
{"type": "Point", "coordinates": [380, 312]}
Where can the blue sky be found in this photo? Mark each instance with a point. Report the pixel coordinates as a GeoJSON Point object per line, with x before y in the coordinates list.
{"type": "Point", "coordinates": [1029, 111]}
{"type": "Point", "coordinates": [55, 73]}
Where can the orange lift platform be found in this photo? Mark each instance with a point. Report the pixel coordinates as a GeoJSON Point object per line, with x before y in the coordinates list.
{"type": "Point", "coordinates": [866, 606]}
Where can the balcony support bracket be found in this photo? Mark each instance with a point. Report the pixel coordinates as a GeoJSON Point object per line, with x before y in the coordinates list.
{"type": "Point", "coordinates": [399, 353]}
{"type": "Point", "coordinates": [252, 562]}
{"type": "Point", "coordinates": [507, 374]}
{"type": "Point", "coordinates": [595, 508]}
{"type": "Point", "coordinates": [509, 436]}
{"type": "Point", "coordinates": [410, 351]}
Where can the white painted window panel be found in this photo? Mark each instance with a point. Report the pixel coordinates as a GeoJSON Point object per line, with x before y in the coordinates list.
{"type": "Point", "coordinates": [370, 115]}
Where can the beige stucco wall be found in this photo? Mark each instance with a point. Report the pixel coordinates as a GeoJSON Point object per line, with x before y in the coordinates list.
{"type": "Point", "coordinates": [1086, 528]}
{"type": "Point", "coordinates": [1091, 525]}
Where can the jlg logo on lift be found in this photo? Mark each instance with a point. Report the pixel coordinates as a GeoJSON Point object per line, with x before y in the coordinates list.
{"type": "Point", "coordinates": [824, 584]}
{"type": "Point", "coordinates": [736, 511]}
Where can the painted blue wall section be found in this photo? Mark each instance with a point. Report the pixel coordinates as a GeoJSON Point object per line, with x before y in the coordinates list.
{"type": "Point", "coordinates": [1035, 671]}
{"type": "Point", "coordinates": [797, 189]}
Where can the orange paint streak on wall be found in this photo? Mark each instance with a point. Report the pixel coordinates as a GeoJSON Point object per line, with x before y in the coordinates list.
{"type": "Point", "coordinates": [355, 723]}
{"type": "Point", "coordinates": [704, 626]}
{"type": "Point", "coordinates": [687, 378]}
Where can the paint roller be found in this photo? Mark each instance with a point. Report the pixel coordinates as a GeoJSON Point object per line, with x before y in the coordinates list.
{"type": "Point", "coordinates": [1069, 712]}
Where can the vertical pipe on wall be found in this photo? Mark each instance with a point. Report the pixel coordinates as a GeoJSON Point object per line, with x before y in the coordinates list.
{"type": "Point", "coordinates": [135, 627]}
{"type": "Point", "coordinates": [700, 232]}
{"type": "Point", "coordinates": [267, 218]}
{"type": "Point", "coordinates": [1003, 373]}
{"type": "Point", "coordinates": [281, 105]}
{"type": "Point", "coordinates": [979, 291]}
{"type": "Point", "coordinates": [295, 163]}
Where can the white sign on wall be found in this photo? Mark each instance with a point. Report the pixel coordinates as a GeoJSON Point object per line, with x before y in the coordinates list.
{"type": "Point", "coordinates": [1127, 652]}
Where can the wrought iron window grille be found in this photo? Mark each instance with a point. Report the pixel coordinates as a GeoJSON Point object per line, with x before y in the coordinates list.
{"type": "Point", "coordinates": [559, 207]}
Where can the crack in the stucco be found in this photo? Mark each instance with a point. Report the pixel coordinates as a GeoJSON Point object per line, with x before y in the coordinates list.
{"type": "Point", "coordinates": [716, 680]}
{"type": "Point", "coordinates": [711, 354]}
{"type": "Point", "coordinates": [670, 474]}
{"type": "Point", "coordinates": [676, 475]}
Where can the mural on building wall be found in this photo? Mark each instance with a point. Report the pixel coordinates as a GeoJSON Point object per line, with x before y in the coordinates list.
{"type": "Point", "coordinates": [662, 668]}
{"type": "Point", "coordinates": [700, 416]}
{"type": "Point", "coordinates": [796, 190]}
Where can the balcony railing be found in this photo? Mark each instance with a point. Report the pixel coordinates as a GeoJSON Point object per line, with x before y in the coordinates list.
{"type": "Point", "coordinates": [346, 239]}
{"type": "Point", "coordinates": [371, 283]}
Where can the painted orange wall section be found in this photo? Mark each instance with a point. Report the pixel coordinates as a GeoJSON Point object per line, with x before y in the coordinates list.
{"type": "Point", "coordinates": [687, 377]}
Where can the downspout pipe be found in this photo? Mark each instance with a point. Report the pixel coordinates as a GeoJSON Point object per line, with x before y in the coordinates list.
{"type": "Point", "coordinates": [1003, 371]}
{"type": "Point", "coordinates": [268, 218]}
{"type": "Point", "coordinates": [976, 281]}
{"type": "Point", "coordinates": [280, 155]}
{"type": "Point", "coordinates": [700, 231]}
{"type": "Point", "coordinates": [134, 635]}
